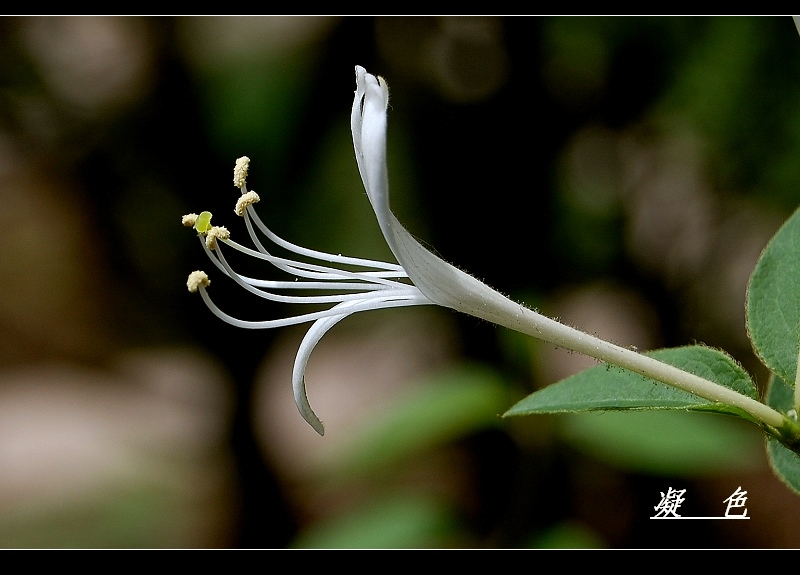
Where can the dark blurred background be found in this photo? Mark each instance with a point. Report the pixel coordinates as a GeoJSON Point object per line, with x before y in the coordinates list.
{"type": "Point", "coordinates": [620, 173]}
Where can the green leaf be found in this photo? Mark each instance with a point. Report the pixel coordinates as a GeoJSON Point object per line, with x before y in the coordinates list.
{"type": "Point", "coordinates": [773, 301]}
{"type": "Point", "coordinates": [785, 462]}
{"type": "Point", "coordinates": [773, 323]}
{"type": "Point", "coordinates": [608, 387]}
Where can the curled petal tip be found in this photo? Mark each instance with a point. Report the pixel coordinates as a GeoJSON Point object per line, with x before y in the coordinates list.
{"type": "Point", "coordinates": [312, 419]}
{"type": "Point", "coordinates": [301, 399]}
{"type": "Point", "coordinates": [311, 339]}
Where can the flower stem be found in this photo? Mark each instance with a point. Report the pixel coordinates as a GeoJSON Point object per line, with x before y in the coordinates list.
{"type": "Point", "coordinates": [534, 324]}
{"type": "Point", "coordinates": [582, 342]}
{"type": "Point", "coordinates": [449, 286]}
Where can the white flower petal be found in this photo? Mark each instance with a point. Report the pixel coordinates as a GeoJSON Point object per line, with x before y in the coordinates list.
{"type": "Point", "coordinates": [314, 335]}
{"type": "Point", "coordinates": [311, 339]}
{"type": "Point", "coordinates": [441, 282]}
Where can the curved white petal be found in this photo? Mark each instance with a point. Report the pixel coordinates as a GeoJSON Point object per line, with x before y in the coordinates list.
{"type": "Point", "coordinates": [314, 335]}
{"type": "Point", "coordinates": [368, 124]}
{"type": "Point", "coordinates": [311, 339]}
{"type": "Point", "coordinates": [441, 282]}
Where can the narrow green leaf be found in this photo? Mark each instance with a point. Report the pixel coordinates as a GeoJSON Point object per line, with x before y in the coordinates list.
{"type": "Point", "coordinates": [773, 301]}
{"type": "Point", "coordinates": [611, 388]}
{"type": "Point", "coordinates": [785, 462]}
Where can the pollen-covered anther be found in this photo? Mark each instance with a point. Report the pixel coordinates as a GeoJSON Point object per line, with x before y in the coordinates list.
{"type": "Point", "coordinates": [214, 233]}
{"type": "Point", "coordinates": [240, 172]}
{"type": "Point", "coordinates": [245, 200]}
{"type": "Point", "coordinates": [197, 279]}
{"type": "Point", "coordinates": [189, 220]}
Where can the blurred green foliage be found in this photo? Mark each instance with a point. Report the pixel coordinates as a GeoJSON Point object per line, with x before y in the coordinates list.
{"type": "Point", "coordinates": [446, 407]}
{"type": "Point", "coordinates": [487, 177]}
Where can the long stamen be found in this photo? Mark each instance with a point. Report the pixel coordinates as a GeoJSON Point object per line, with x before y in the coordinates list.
{"type": "Point", "coordinates": [332, 282]}
{"type": "Point", "coordinates": [392, 270]}
{"type": "Point", "coordinates": [336, 259]}
{"type": "Point", "coordinates": [314, 271]}
{"type": "Point", "coordinates": [371, 285]}
{"type": "Point", "coordinates": [377, 292]}
{"type": "Point", "coordinates": [358, 306]}
{"type": "Point", "coordinates": [244, 207]}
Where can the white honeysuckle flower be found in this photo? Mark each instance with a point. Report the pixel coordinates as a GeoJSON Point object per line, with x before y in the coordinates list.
{"type": "Point", "coordinates": [354, 285]}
